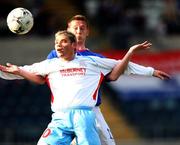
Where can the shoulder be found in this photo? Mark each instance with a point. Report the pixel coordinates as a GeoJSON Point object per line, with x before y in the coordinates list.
{"type": "Point", "coordinates": [92, 58]}
{"type": "Point", "coordinates": [85, 58]}
{"type": "Point", "coordinates": [89, 53]}
{"type": "Point", "coordinates": [50, 61]}
{"type": "Point", "coordinates": [52, 54]}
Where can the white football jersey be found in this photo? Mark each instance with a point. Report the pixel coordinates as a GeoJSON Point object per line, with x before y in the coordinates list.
{"type": "Point", "coordinates": [73, 83]}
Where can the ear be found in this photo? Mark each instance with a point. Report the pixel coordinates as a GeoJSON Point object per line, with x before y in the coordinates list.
{"type": "Point", "coordinates": [74, 45]}
{"type": "Point", "coordinates": [87, 32]}
{"type": "Point", "coordinates": [68, 26]}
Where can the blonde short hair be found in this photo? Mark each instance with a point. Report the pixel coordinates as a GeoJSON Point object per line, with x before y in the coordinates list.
{"type": "Point", "coordinates": [70, 35]}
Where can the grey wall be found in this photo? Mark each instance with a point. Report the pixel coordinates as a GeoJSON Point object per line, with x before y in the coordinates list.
{"type": "Point", "coordinates": [25, 50]}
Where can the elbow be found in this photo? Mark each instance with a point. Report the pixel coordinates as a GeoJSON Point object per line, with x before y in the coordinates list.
{"type": "Point", "coordinates": [112, 78]}
{"type": "Point", "coordinates": [40, 83]}
{"type": "Point", "coordinates": [39, 80]}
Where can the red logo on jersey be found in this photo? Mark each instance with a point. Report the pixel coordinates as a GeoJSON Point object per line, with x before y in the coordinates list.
{"type": "Point", "coordinates": [73, 72]}
{"type": "Point", "coordinates": [46, 133]}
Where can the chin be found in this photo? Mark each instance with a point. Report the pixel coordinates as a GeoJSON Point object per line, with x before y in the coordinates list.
{"type": "Point", "coordinates": [59, 55]}
{"type": "Point", "coordinates": [79, 38]}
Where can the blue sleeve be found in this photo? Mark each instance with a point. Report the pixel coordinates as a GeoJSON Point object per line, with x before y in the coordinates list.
{"type": "Point", "coordinates": [89, 53]}
{"type": "Point", "coordinates": [52, 54]}
{"type": "Point", "coordinates": [99, 55]}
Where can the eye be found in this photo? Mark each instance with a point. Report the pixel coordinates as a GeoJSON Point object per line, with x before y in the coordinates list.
{"type": "Point", "coordinates": [56, 43]}
{"type": "Point", "coordinates": [64, 41]}
{"type": "Point", "coordinates": [75, 28]}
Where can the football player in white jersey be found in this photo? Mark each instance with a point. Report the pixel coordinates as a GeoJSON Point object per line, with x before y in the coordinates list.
{"type": "Point", "coordinates": [79, 26]}
{"type": "Point", "coordinates": [73, 98]}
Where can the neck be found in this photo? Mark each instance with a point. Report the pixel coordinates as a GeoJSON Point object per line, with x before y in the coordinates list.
{"type": "Point", "coordinates": [81, 46]}
{"type": "Point", "coordinates": [67, 58]}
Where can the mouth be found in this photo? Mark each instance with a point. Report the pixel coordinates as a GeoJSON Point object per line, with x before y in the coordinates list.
{"type": "Point", "coordinates": [78, 36]}
{"type": "Point", "coordinates": [60, 50]}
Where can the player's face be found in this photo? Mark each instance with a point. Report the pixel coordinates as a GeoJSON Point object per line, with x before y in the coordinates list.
{"type": "Point", "coordinates": [79, 29]}
{"type": "Point", "coordinates": [64, 48]}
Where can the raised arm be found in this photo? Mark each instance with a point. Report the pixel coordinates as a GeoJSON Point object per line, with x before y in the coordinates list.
{"type": "Point", "coordinates": [122, 65]}
{"type": "Point", "coordinates": [133, 68]}
{"type": "Point", "coordinates": [14, 72]}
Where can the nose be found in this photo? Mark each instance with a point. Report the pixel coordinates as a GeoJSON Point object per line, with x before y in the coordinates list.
{"type": "Point", "coordinates": [78, 30]}
{"type": "Point", "coordinates": [59, 46]}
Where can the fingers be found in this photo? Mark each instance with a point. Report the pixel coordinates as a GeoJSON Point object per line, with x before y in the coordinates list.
{"type": "Point", "coordinates": [146, 44]}
{"type": "Point", "coordinates": [8, 64]}
{"type": "Point", "coordinates": [165, 75]}
{"type": "Point", "coordinates": [162, 75]}
{"type": "Point", "coordinates": [3, 68]}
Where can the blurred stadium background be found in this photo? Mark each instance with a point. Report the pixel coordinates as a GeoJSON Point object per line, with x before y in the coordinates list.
{"type": "Point", "coordinates": [139, 110]}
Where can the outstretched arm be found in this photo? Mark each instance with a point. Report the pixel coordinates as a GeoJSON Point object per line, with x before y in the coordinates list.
{"type": "Point", "coordinates": [14, 72]}
{"type": "Point", "coordinates": [160, 74]}
{"type": "Point", "coordinates": [122, 65]}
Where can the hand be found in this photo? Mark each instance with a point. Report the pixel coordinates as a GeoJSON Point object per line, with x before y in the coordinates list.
{"type": "Point", "coordinates": [137, 47]}
{"type": "Point", "coordinates": [10, 68]}
{"type": "Point", "coordinates": [160, 74]}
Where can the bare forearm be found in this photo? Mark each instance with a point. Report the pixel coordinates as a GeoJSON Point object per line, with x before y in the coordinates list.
{"type": "Point", "coordinates": [11, 71]}
{"type": "Point", "coordinates": [31, 77]}
{"type": "Point", "coordinates": [120, 67]}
